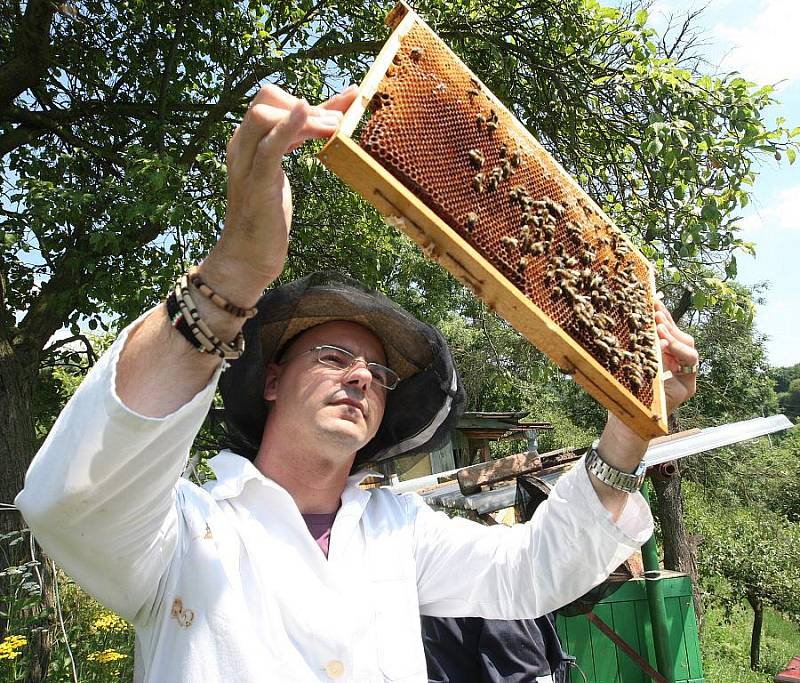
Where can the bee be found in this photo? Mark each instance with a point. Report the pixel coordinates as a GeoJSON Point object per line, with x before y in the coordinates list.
{"type": "Point", "coordinates": [509, 242]}
{"type": "Point", "coordinates": [491, 126]}
{"type": "Point", "coordinates": [537, 249]}
{"type": "Point", "coordinates": [516, 192]}
{"type": "Point", "coordinates": [506, 169]}
{"type": "Point", "coordinates": [493, 181]}
{"type": "Point", "coordinates": [516, 158]}
{"type": "Point", "coordinates": [472, 220]}
{"type": "Point", "coordinates": [472, 92]}
{"type": "Point", "coordinates": [477, 158]}
{"type": "Point", "coordinates": [554, 207]}
{"type": "Point", "coordinates": [523, 264]}
{"type": "Point", "coordinates": [477, 182]}
{"type": "Point", "coordinates": [416, 53]}
{"type": "Point", "coordinates": [474, 81]}
{"type": "Point", "coordinates": [605, 348]}
{"type": "Point", "coordinates": [480, 119]}
{"type": "Point", "coordinates": [440, 88]}
{"type": "Point", "coordinates": [502, 151]}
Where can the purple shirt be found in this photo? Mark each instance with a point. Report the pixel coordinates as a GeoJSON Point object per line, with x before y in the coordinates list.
{"type": "Point", "coordinates": [320, 527]}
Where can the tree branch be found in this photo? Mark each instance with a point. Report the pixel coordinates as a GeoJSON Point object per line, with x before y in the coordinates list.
{"type": "Point", "coordinates": [90, 354]}
{"type": "Point", "coordinates": [32, 51]}
{"type": "Point", "coordinates": [683, 305]}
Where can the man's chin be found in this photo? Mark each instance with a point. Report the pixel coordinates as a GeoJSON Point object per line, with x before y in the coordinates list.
{"type": "Point", "coordinates": [351, 435]}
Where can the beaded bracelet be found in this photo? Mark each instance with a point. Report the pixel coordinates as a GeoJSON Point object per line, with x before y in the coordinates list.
{"type": "Point", "coordinates": [186, 319]}
{"type": "Point", "coordinates": [217, 299]}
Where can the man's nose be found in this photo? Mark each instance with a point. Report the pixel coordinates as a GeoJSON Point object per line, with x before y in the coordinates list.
{"type": "Point", "coordinates": [360, 375]}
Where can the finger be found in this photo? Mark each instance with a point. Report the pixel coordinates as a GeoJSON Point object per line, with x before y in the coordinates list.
{"type": "Point", "coordinates": [316, 127]}
{"type": "Point", "coordinates": [681, 352]}
{"type": "Point", "coordinates": [342, 101]}
{"type": "Point", "coordinates": [664, 316]}
{"type": "Point", "coordinates": [274, 96]}
{"type": "Point", "coordinates": [259, 121]}
{"type": "Point", "coordinates": [270, 148]}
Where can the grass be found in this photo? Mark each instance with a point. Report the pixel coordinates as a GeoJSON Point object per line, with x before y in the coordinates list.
{"type": "Point", "coordinates": [726, 646]}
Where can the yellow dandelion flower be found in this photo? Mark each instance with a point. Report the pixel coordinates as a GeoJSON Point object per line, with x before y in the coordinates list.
{"type": "Point", "coordinates": [9, 648]}
{"type": "Point", "coordinates": [109, 622]}
{"type": "Point", "coordinates": [106, 656]}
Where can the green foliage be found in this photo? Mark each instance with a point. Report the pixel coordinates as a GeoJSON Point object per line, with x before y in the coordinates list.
{"type": "Point", "coordinates": [101, 643]}
{"type": "Point", "coordinates": [755, 551]}
{"type": "Point", "coordinates": [734, 382]}
{"type": "Point", "coordinates": [113, 178]}
{"type": "Point", "coordinates": [725, 645]}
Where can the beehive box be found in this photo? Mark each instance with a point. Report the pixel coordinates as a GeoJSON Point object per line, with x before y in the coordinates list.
{"type": "Point", "coordinates": [626, 612]}
{"type": "Point", "coordinates": [440, 156]}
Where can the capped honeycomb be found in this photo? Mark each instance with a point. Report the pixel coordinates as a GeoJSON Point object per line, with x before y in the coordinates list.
{"type": "Point", "coordinates": [438, 131]}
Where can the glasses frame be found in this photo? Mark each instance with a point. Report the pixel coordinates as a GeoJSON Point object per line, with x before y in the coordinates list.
{"type": "Point", "coordinates": [316, 350]}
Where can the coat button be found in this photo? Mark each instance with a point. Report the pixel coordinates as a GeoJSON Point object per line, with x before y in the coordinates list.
{"type": "Point", "coordinates": [334, 669]}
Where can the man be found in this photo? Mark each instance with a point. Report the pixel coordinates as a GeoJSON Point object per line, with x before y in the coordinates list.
{"type": "Point", "coordinates": [226, 582]}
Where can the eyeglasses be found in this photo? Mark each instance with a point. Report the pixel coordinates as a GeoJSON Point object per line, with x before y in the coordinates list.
{"type": "Point", "coordinates": [343, 360]}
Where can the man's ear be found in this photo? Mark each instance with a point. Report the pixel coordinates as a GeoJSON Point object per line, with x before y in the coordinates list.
{"type": "Point", "coordinates": [271, 381]}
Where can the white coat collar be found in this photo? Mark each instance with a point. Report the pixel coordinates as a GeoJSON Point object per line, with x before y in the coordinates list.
{"type": "Point", "coordinates": [233, 471]}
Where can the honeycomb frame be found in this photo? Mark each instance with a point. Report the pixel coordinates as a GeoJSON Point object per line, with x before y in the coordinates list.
{"type": "Point", "coordinates": [507, 278]}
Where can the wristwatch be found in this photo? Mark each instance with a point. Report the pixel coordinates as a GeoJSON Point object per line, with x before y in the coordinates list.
{"type": "Point", "coordinates": [615, 478]}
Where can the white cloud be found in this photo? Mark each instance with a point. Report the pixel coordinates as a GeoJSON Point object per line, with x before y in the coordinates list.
{"type": "Point", "coordinates": [764, 49]}
{"type": "Point", "coordinates": [783, 213]}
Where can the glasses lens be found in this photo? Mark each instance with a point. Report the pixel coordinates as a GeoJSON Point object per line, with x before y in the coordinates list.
{"type": "Point", "coordinates": [335, 357]}
{"type": "Point", "coordinates": [384, 376]}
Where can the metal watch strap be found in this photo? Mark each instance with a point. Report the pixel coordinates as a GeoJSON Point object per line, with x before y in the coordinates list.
{"type": "Point", "coordinates": [615, 478]}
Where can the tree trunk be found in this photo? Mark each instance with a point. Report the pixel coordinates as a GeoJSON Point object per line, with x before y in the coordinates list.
{"type": "Point", "coordinates": [679, 548]}
{"type": "Point", "coordinates": [18, 375]}
{"type": "Point", "coordinates": [758, 622]}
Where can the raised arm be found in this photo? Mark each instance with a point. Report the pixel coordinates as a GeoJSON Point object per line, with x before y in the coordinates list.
{"type": "Point", "coordinates": [620, 446]}
{"type": "Point", "coordinates": [158, 370]}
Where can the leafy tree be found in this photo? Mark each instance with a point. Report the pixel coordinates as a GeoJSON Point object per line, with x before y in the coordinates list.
{"type": "Point", "coordinates": [757, 555]}
{"type": "Point", "coordinates": [789, 400]}
{"type": "Point", "coordinates": [784, 376]}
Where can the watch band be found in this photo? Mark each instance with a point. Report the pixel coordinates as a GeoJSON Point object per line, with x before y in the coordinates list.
{"type": "Point", "coordinates": [615, 478]}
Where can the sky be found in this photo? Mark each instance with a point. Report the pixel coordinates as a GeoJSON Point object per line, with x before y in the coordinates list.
{"type": "Point", "coordinates": [758, 38]}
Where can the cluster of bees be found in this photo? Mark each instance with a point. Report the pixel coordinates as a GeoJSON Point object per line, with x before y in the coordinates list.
{"type": "Point", "coordinates": [601, 299]}
{"type": "Point", "coordinates": [593, 295]}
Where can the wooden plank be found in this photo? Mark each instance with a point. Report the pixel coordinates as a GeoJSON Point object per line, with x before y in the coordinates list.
{"type": "Point", "coordinates": [691, 639]}
{"type": "Point", "coordinates": [604, 651]}
{"type": "Point", "coordinates": [624, 623]}
{"type": "Point", "coordinates": [470, 479]}
{"type": "Point", "coordinates": [580, 643]}
{"type": "Point", "coordinates": [676, 637]}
